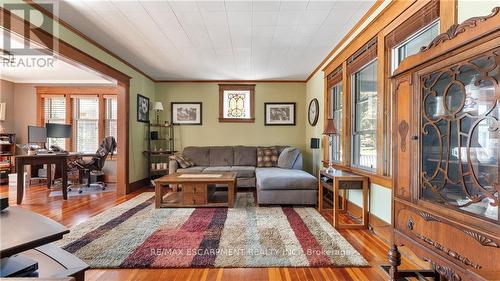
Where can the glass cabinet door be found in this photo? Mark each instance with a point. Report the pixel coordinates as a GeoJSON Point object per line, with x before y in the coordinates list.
{"type": "Point", "coordinates": [459, 136]}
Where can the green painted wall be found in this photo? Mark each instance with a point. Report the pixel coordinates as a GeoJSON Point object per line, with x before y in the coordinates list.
{"type": "Point", "coordinates": [139, 84]}
{"type": "Point", "coordinates": [214, 133]}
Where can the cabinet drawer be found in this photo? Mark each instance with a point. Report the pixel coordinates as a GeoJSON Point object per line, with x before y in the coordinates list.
{"type": "Point", "coordinates": [463, 246]}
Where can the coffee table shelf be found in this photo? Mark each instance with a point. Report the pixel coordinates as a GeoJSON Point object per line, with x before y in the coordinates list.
{"type": "Point", "coordinates": [195, 190]}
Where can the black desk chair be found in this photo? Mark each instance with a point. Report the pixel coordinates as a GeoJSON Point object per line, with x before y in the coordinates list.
{"type": "Point", "coordinates": [94, 165]}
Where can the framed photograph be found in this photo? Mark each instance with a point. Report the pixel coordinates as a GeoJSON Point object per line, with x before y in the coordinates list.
{"type": "Point", "coordinates": [142, 109]}
{"type": "Point", "coordinates": [279, 113]}
{"type": "Point", "coordinates": [186, 113]}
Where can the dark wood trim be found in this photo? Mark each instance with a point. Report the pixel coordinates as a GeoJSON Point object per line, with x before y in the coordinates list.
{"type": "Point", "coordinates": [237, 87]}
{"type": "Point", "coordinates": [282, 103]}
{"type": "Point", "coordinates": [136, 185]}
{"type": "Point", "coordinates": [230, 81]}
{"type": "Point", "coordinates": [78, 58]}
{"type": "Point", "coordinates": [84, 36]}
{"type": "Point", "coordinates": [337, 47]}
{"type": "Point", "coordinates": [422, 18]}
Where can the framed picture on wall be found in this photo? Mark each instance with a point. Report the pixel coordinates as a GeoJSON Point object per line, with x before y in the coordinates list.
{"type": "Point", "coordinates": [142, 109]}
{"type": "Point", "coordinates": [279, 114]}
{"type": "Point", "coordinates": [186, 113]}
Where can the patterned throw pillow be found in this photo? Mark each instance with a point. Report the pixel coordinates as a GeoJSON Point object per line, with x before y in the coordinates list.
{"type": "Point", "coordinates": [267, 156]}
{"type": "Point", "coordinates": [183, 161]}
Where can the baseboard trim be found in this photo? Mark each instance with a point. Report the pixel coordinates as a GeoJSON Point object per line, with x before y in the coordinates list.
{"type": "Point", "coordinates": [380, 227]}
{"type": "Point", "coordinates": [133, 186]}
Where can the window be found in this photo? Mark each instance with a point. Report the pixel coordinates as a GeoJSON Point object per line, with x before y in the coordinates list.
{"type": "Point", "coordinates": [54, 109]}
{"type": "Point", "coordinates": [111, 116]}
{"type": "Point", "coordinates": [336, 113]}
{"type": "Point", "coordinates": [364, 127]}
{"type": "Point", "coordinates": [91, 111]}
{"type": "Point", "coordinates": [236, 103]}
{"type": "Point", "coordinates": [86, 124]}
{"type": "Point", "coordinates": [413, 44]}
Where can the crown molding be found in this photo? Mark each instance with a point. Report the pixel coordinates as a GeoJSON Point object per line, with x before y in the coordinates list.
{"type": "Point", "coordinates": [231, 81]}
{"type": "Point", "coordinates": [84, 36]}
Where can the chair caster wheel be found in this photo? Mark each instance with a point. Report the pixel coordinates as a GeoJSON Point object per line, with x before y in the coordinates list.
{"type": "Point", "coordinates": [69, 189]}
{"type": "Point", "coordinates": [103, 188]}
{"type": "Point", "coordinates": [80, 191]}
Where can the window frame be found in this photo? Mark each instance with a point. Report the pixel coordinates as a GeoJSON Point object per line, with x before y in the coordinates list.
{"type": "Point", "coordinates": [237, 87]}
{"type": "Point", "coordinates": [69, 93]}
{"type": "Point", "coordinates": [353, 104]}
{"type": "Point", "coordinates": [333, 107]}
{"type": "Point", "coordinates": [394, 50]}
{"type": "Point", "coordinates": [76, 99]}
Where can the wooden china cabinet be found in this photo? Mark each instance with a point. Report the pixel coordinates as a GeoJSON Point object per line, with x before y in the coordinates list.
{"type": "Point", "coordinates": [446, 151]}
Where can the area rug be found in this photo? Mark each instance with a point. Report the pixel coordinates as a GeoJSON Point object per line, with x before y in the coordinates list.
{"type": "Point", "coordinates": [136, 235]}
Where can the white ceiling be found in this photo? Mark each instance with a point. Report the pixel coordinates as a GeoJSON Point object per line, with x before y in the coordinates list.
{"type": "Point", "coordinates": [217, 40]}
{"type": "Point", "coordinates": [42, 68]}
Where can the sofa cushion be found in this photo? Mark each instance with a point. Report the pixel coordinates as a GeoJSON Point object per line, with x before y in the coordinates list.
{"type": "Point", "coordinates": [194, 169]}
{"type": "Point", "coordinates": [267, 156]}
{"type": "Point", "coordinates": [283, 179]}
{"type": "Point", "coordinates": [288, 157]}
{"type": "Point", "coordinates": [244, 171]}
{"type": "Point", "coordinates": [217, 169]}
{"type": "Point", "coordinates": [221, 156]}
{"type": "Point", "coordinates": [245, 156]}
{"type": "Point", "coordinates": [199, 155]}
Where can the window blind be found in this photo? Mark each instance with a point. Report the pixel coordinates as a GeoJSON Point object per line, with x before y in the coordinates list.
{"type": "Point", "coordinates": [86, 123]}
{"type": "Point", "coordinates": [54, 109]}
{"type": "Point", "coordinates": [111, 117]}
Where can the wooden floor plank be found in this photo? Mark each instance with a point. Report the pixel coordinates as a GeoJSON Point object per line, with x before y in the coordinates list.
{"type": "Point", "coordinates": [80, 208]}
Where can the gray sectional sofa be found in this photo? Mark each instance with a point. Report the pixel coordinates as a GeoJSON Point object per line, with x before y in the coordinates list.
{"type": "Point", "coordinates": [274, 185]}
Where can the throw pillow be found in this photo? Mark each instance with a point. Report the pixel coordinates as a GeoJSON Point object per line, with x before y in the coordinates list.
{"type": "Point", "coordinates": [182, 160]}
{"type": "Point", "coordinates": [288, 157]}
{"type": "Point", "coordinates": [267, 156]}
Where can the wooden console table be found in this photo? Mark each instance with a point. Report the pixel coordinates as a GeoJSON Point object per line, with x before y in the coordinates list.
{"type": "Point", "coordinates": [29, 234]}
{"type": "Point", "coordinates": [196, 190]}
{"type": "Point", "coordinates": [343, 181]}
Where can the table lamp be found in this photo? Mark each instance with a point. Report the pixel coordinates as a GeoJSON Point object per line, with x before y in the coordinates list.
{"type": "Point", "coordinates": [330, 130]}
{"type": "Point", "coordinates": [158, 107]}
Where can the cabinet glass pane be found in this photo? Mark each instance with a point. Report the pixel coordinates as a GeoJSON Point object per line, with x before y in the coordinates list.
{"type": "Point", "coordinates": [460, 137]}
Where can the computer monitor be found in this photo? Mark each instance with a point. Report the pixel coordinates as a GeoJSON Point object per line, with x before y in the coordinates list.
{"type": "Point", "coordinates": [37, 134]}
{"type": "Point", "coordinates": [58, 130]}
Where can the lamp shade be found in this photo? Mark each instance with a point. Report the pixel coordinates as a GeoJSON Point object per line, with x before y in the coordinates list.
{"type": "Point", "coordinates": [158, 106]}
{"type": "Point", "coordinates": [330, 128]}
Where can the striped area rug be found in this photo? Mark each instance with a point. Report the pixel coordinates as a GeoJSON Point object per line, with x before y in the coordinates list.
{"type": "Point", "coordinates": [136, 235]}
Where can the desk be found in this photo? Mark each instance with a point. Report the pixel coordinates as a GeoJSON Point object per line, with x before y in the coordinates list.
{"type": "Point", "coordinates": [41, 159]}
{"type": "Point", "coordinates": [337, 181]}
{"type": "Point", "coordinates": [29, 234]}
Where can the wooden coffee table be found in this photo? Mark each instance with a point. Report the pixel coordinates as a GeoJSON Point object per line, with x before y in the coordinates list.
{"type": "Point", "coordinates": [195, 190]}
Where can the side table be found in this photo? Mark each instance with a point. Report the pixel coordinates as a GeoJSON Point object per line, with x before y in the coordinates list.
{"type": "Point", "coordinates": [343, 181]}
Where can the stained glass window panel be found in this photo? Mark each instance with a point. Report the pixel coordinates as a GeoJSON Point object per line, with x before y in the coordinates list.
{"type": "Point", "coordinates": [236, 104]}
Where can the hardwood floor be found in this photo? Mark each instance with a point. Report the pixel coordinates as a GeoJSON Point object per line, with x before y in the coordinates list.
{"type": "Point", "coordinates": [79, 208]}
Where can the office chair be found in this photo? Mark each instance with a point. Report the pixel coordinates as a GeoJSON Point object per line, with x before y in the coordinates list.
{"type": "Point", "coordinates": [94, 165]}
